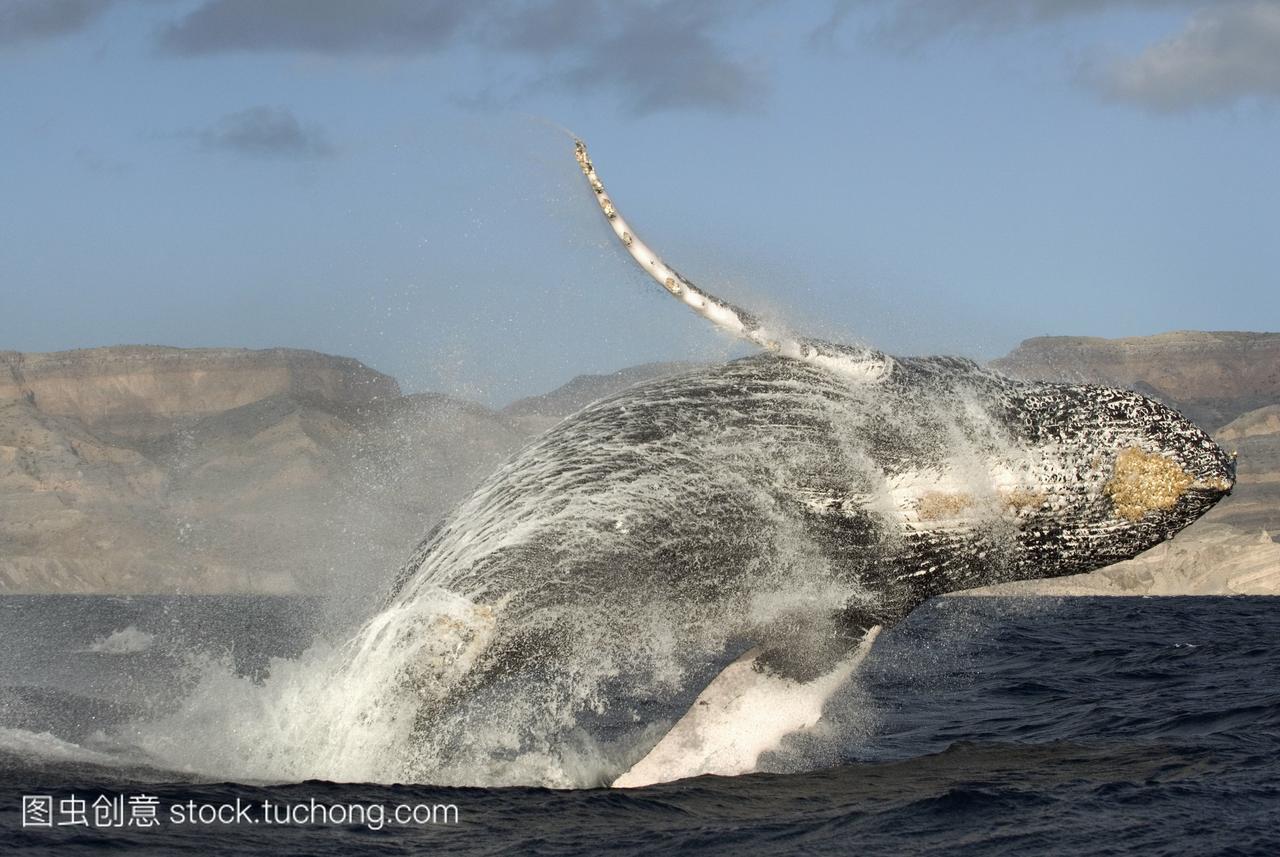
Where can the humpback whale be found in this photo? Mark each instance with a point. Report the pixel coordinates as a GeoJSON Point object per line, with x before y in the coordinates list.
{"type": "Point", "coordinates": [741, 532]}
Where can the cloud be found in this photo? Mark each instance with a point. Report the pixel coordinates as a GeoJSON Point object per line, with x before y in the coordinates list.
{"type": "Point", "coordinates": [909, 24]}
{"type": "Point", "coordinates": [33, 20]}
{"type": "Point", "coordinates": [664, 56]}
{"type": "Point", "coordinates": [651, 54]}
{"type": "Point", "coordinates": [544, 27]}
{"type": "Point", "coordinates": [1226, 52]}
{"type": "Point", "coordinates": [318, 26]}
{"type": "Point", "coordinates": [100, 164]}
{"type": "Point", "coordinates": [266, 132]}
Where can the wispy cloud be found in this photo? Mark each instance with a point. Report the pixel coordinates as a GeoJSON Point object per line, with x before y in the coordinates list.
{"type": "Point", "coordinates": [1227, 49]}
{"type": "Point", "coordinates": [650, 54]}
{"type": "Point", "coordinates": [104, 165]}
{"type": "Point", "coordinates": [911, 23]}
{"type": "Point", "coordinates": [1226, 52]}
{"type": "Point", "coordinates": [33, 20]}
{"type": "Point", "coordinates": [659, 55]}
{"type": "Point", "coordinates": [666, 57]}
{"type": "Point", "coordinates": [318, 26]}
{"type": "Point", "coordinates": [266, 132]}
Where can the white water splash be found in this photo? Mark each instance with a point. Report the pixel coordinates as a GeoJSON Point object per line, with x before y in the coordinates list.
{"type": "Point", "coordinates": [125, 641]}
{"type": "Point", "coordinates": [47, 746]}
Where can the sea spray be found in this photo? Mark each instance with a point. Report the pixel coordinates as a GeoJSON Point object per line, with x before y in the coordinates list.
{"type": "Point", "coordinates": [125, 641]}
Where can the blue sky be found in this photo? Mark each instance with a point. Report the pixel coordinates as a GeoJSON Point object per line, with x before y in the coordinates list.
{"type": "Point", "coordinates": [388, 179]}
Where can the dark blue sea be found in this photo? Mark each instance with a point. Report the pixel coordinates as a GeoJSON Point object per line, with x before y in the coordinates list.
{"type": "Point", "coordinates": [978, 726]}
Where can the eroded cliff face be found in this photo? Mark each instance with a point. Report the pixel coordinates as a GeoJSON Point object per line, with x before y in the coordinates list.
{"type": "Point", "coordinates": [141, 469]}
{"type": "Point", "coordinates": [1255, 438]}
{"type": "Point", "coordinates": [141, 391]}
{"type": "Point", "coordinates": [1212, 377]}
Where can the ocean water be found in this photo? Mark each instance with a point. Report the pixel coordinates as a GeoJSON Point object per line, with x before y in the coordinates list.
{"type": "Point", "coordinates": [978, 726]}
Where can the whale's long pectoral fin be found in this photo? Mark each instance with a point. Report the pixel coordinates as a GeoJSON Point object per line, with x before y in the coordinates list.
{"type": "Point", "coordinates": [746, 711]}
{"type": "Point", "coordinates": [859, 363]}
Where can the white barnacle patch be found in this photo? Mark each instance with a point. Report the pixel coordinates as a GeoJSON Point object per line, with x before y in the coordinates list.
{"type": "Point", "coordinates": [584, 161]}
{"type": "Point", "coordinates": [969, 490]}
{"type": "Point", "coordinates": [931, 497]}
{"type": "Point", "coordinates": [1144, 482]}
{"type": "Point", "coordinates": [1023, 499]}
{"type": "Point", "coordinates": [938, 505]}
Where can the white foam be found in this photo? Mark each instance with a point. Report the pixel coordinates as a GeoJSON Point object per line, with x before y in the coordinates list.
{"type": "Point", "coordinates": [47, 746]}
{"type": "Point", "coordinates": [342, 714]}
{"type": "Point", "coordinates": [125, 641]}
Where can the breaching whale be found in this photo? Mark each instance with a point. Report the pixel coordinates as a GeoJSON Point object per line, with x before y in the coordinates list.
{"type": "Point", "coordinates": [771, 513]}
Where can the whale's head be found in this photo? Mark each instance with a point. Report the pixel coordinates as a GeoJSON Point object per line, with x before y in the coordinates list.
{"type": "Point", "coordinates": [1121, 472]}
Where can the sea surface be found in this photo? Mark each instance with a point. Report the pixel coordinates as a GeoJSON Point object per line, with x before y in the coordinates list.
{"type": "Point", "coordinates": [978, 726]}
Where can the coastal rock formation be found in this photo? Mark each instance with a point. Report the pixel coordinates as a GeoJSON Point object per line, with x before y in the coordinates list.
{"type": "Point", "coordinates": [1212, 377]}
{"type": "Point", "coordinates": [220, 470]}
{"type": "Point", "coordinates": [145, 391]}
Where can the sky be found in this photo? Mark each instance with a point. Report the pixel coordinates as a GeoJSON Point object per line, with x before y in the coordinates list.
{"type": "Point", "coordinates": [392, 179]}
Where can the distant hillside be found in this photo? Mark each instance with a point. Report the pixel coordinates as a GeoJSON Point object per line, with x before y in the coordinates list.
{"type": "Point", "coordinates": [1211, 377]}
{"type": "Point", "coordinates": [140, 469]}
{"type": "Point", "coordinates": [140, 391]}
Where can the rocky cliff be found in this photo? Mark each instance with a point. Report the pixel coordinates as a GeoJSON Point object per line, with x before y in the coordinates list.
{"type": "Point", "coordinates": [140, 469]}
{"type": "Point", "coordinates": [147, 469]}
{"type": "Point", "coordinates": [140, 391]}
{"type": "Point", "coordinates": [1212, 377]}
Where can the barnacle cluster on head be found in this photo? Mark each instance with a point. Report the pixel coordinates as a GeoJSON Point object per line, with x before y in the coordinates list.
{"type": "Point", "coordinates": [1144, 482]}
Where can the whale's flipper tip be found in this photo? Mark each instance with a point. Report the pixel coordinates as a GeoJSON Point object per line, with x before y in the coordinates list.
{"type": "Point", "coordinates": [744, 712]}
